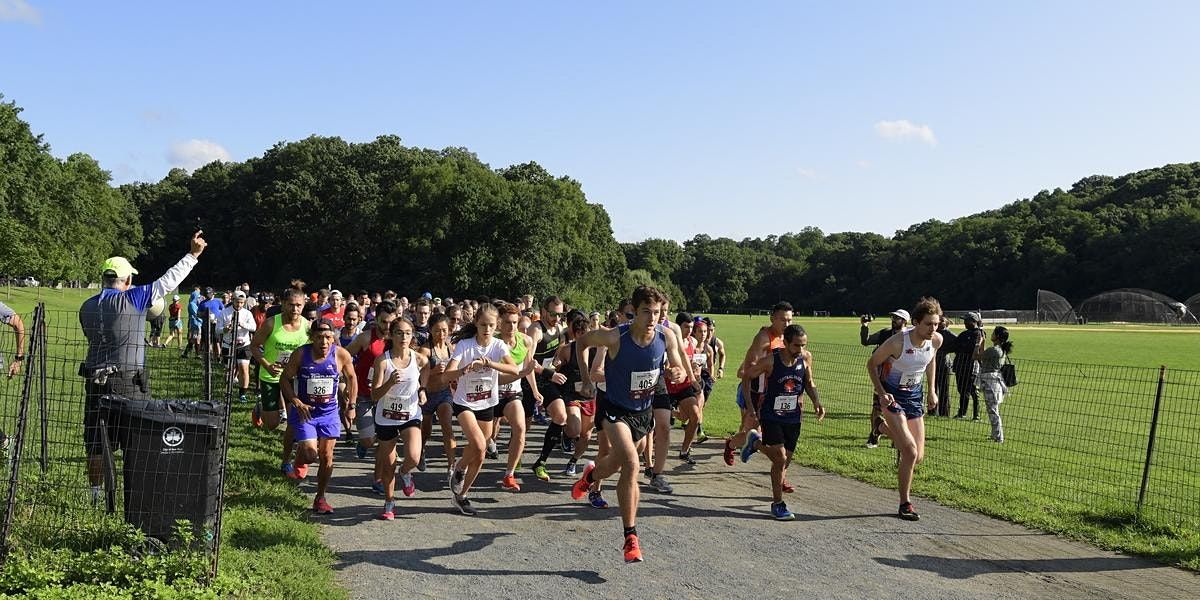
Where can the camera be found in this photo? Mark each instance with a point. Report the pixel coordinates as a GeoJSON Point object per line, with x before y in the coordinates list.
{"type": "Point", "coordinates": [867, 318]}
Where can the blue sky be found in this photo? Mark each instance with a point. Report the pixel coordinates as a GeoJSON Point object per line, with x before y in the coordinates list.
{"type": "Point", "coordinates": [731, 119]}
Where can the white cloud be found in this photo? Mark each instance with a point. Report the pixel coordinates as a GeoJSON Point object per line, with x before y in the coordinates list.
{"type": "Point", "coordinates": [863, 164]}
{"type": "Point", "coordinates": [20, 11]}
{"type": "Point", "coordinates": [905, 129]}
{"type": "Point", "coordinates": [807, 173]}
{"type": "Point", "coordinates": [194, 154]}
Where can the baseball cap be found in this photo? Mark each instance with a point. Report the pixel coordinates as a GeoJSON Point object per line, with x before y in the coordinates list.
{"type": "Point", "coordinates": [335, 294]}
{"type": "Point", "coordinates": [208, 291]}
{"type": "Point", "coordinates": [903, 314]}
{"type": "Point", "coordinates": [321, 325]}
{"type": "Point", "coordinates": [973, 317]}
{"type": "Point", "coordinates": [119, 266]}
{"type": "Point", "coordinates": [239, 294]}
{"type": "Point", "coordinates": [427, 296]}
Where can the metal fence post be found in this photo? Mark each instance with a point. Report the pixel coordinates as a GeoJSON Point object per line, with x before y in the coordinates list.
{"type": "Point", "coordinates": [43, 407]}
{"type": "Point", "coordinates": [224, 441]}
{"type": "Point", "coordinates": [1162, 371]}
{"type": "Point", "coordinates": [19, 439]}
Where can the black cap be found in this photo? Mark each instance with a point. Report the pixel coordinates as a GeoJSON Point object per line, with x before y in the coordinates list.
{"type": "Point", "coordinates": [208, 291]}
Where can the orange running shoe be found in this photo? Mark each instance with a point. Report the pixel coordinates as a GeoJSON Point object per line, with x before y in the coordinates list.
{"type": "Point", "coordinates": [581, 487]}
{"type": "Point", "coordinates": [510, 483]}
{"type": "Point", "coordinates": [633, 550]}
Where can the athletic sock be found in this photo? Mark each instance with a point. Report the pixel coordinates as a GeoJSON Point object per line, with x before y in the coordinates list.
{"type": "Point", "coordinates": [389, 505]}
{"type": "Point", "coordinates": [553, 437]}
{"type": "Point", "coordinates": [509, 473]}
{"type": "Point", "coordinates": [631, 530]}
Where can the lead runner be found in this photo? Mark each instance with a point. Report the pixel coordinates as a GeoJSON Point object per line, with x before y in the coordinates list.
{"type": "Point", "coordinates": [632, 370]}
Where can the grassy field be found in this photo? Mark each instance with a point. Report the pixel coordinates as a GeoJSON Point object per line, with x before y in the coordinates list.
{"type": "Point", "coordinates": [1076, 432]}
{"type": "Point", "coordinates": [270, 548]}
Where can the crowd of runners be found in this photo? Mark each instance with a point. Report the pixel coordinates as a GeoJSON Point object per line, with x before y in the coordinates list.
{"type": "Point", "coordinates": [380, 372]}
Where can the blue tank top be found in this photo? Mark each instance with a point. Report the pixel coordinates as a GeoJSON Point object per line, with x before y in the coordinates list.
{"type": "Point", "coordinates": [785, 385]}
{"type": "Point", "coordinates": [636, 371]}
{"type": "Point", "coordinates": [444, 394]}
{"type": "Point", "coordinates": [317, 382]}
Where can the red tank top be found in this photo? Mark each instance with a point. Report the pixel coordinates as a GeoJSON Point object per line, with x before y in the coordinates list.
{"type": "Point", "coordinates": [689, 350]}
{"type": "Point", "coordinates": [365, 360]}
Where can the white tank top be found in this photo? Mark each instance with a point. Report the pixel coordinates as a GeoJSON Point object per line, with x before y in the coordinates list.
{"type": "Point", "coordinates": [906, 372]}
{"type": "Point", "coordinates": [401, 403]}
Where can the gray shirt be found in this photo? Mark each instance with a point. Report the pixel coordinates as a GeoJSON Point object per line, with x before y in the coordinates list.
{"type": "Point", "coordinates": [991, 360]}
{"type": "Point", "coordinates": [114, 322]}
{"type": "Point", "coordinates": [6, 314]}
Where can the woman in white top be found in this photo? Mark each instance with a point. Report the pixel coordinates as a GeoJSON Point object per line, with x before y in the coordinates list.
{"type": "Point", "coordinates": [476, 363]}
{"type": "Point", "coordinates": [237, 318]}
{"type": "Point", "coordinates": [898, 369]}
{"type": "Point", "coordinates": [398, 391]}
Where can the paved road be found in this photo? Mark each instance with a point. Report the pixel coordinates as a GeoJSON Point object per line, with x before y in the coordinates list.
{"type": "Point", "coordinates": [711, 539]}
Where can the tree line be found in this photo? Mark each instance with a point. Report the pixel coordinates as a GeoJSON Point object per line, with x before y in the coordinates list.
{"type": "Point", "coordinates": [381, 214]}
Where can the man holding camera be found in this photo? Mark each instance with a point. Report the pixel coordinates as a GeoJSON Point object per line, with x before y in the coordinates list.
{"type": "Point", "coordinates": [114, 323]}
{"type": "Point", "coordinates": [899, 319]}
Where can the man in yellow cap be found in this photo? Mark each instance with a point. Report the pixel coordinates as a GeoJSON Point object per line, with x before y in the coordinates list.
{"type": "Point", "coordinates": [114, 322]}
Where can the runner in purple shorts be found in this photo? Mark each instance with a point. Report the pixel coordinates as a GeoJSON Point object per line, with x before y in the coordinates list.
{"type": "Point", "coordinates": [315, 368]}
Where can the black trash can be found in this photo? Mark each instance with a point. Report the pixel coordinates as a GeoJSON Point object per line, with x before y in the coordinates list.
{"type": "Point", "coordinates": [172, 463]}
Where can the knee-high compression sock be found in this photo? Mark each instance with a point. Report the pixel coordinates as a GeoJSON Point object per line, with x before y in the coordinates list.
{"type": "Point", "coordinates": [553, 437]}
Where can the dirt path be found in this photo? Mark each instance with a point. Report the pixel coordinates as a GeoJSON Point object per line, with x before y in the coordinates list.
{"type": "Point", "coordinates": [712, 538]}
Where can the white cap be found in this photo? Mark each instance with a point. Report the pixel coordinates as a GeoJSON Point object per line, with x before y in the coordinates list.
{"type": "Point", "coordinates": [335, 294]}
{"type": "Point", "coordinates": [903, 314]}
{"type": "Point", "coordinates": [239, 294]}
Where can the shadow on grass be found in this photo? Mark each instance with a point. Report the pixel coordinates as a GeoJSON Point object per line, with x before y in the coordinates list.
{"type": "Point", "coordinates": [420, 560]}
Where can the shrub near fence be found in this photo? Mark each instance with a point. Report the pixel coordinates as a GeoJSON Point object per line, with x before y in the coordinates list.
{"type": "Point", "coordinates": [1100, 442]}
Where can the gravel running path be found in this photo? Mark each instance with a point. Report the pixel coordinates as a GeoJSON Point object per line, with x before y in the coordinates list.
{"type": "Point", "coordinates": [712, 538]}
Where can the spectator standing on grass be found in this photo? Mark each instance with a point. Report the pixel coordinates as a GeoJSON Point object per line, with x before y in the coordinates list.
{"type": "Point", "coordinates": [965, 366]}
{"type": "Point", "coordinates": [990, 380]}
{"type": "Point", "coordinates": [945, 365]}
{"type": "Point", "coordinates": [195, 323]}
{"type": "Point", "coordinates": [9, 317]}
{"type": "Point", "coordinates": [113, 322]}
{"type": "Point", "coordinates": [900, 318]}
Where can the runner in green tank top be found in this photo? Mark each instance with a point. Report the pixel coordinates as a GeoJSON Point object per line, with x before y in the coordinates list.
{"type": "Point", "coordinates": [511, 406]}
{"type": "Point", "coordinates": [270, 349]}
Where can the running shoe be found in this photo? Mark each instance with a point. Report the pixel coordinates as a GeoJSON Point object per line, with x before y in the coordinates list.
{"type": "Point", "coordinates": [321, 507]}
{"type": "Point", "coordinates": [360, 451]}
{"type": "Point", "coordinates": [873, 443]}
{"type": "Point", "coordinates": [456, 479]}
{"type": "Point", "coordinates": [377, 487]}
{"type": "Point", "coordinates": [242, 399]}
{"type": "Point", "coordinates": [491, 452]}
{"type": "Point", "coordinates": [286, 469]}
{"type": "Point", "coordinates": [649, 472]}
{"type": "Point", "coordinates": [660, 484]}
{"type": "Point", "coordinates": [256, 415]}
{"type": "Point", "coordinates": [571, 470]}
{"type": "Point", "coordinates": [409, 488]}
{"type": "Point", "coordinates": [387, 515]}
{"type": "Point", "coordinates": [539, 471]}
{"type": "Point", "coordinates": [568, 445]}
{"type": "Point", "coordinates": [510, 483]}
{"type": "Point", "coordinates": [728, 454]}
{"type": "Point", "coordinates": [787, 487]}
{"type": "Point", "coordinates": [908, 512]}
{"type": "Point", "coordinates": [780, 511]}
{"type": "Point", "coordinates": [701, 437]}
{"type": "Point", "coordinates": [596, 500]}
{"type": "Point", "coordinates": [581, 487]}
{"type": "Point", "coordinates": [686, 458]}
{"type": "Point", "coordinates": [749, 448]}
{"type": "Point", "coordinates": [298, 472]}
{"type": "Point", "coordinates": [540, 419]}
{"type": "Point", "coordinates": [463, 505]}
{"type": "Point", "coordinates": [421, 464]}
{"type": "Point", "coordinates": [633, 549]}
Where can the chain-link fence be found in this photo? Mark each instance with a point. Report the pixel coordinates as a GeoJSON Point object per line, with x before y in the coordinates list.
{"type": "Point", "coordinates": [91, 451]}
{"type": "Point", "coordinates": [1094, 439]}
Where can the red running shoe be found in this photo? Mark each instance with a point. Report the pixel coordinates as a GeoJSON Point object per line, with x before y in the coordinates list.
{"type": "Point", "coordinates": [787, 487]}
{"type": "Point", "coordinates": [510, 483]}
{"type": "Point", "coordinates": [321, 507]}
{"type": "Point", "coordinates": [728, 454]}
{"type": "Point", "coordinates": [633, 550]}
{"type": "Point", "coordinates": [581, 487]}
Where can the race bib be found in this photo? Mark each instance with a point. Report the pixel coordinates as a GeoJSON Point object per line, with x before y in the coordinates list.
{"type": "Point", "coordinates": [479, 385]}
{"type": "Point", "coordinates": [319, 389]}
{"type": "Point", "coordinates": [642, 383]}
{"type": "Point", "coordinates": [578, 386]}
{"type": "Point", "coordinates": [700, 360]}
{"type": "Point", "coordinates": [510, 390]}
{"type": "Point", "coordinates": [548, 363]}
{"type": "Point", "coordinates": [909, 381]}
{"type": "Point", "coordinates": [785, 404]}
{"type": "Point", "coordinates": [394, 412]}
{"type": "Point", "coordinates": [282, 358]}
